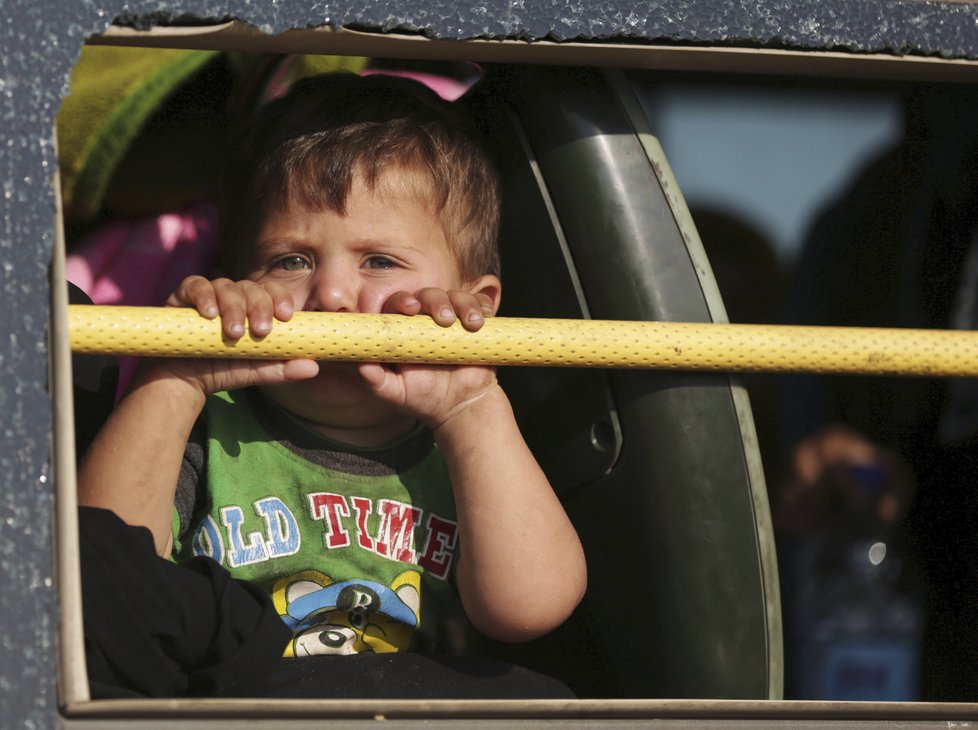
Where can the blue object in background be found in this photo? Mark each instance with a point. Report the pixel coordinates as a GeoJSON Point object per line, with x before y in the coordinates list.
{"type": "Point", "coordinates": [858, 622]}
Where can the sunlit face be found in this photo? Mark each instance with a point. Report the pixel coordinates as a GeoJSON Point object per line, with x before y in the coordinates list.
{"type": "Point", "coordinates": [388, 241]}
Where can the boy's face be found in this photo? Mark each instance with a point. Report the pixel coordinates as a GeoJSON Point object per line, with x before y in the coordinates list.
{"type": "Point", "coordinates": [389, 241]}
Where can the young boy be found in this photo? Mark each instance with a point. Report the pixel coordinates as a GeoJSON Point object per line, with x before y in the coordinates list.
{"type": "Point", "coordinates": [379, 505]}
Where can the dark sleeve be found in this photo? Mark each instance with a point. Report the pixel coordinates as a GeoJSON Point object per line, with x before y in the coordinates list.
{"type": "Point", "coordinates": [191, 495]}
{"type": "Point", "coordinates": [157, 629]}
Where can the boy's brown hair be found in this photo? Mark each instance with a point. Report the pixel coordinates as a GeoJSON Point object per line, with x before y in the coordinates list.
{"type": "Point", "coordinates": [306, 148]}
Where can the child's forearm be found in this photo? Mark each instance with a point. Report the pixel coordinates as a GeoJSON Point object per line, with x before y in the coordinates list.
{"type": "Point", "coordinates": [132, 466]}
{"type": "Point", "coordinates": [521, 569]}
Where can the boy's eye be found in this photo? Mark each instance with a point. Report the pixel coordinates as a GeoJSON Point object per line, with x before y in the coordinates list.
{"type": "Point", "coordinates": [380, 262]}
{"type": "Point", "coordinates": [292, 263]}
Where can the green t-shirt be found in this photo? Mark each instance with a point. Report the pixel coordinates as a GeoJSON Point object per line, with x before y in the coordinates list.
{"type": "Point", "coordinates": [356, 546]}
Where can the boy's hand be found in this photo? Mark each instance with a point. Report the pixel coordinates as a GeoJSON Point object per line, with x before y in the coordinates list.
{"type": "Point", "coordinates": [434, 393]}
{"type": "Point", "coordinates": [443, 306]}
{"type": "Point", "coordinates": [239, 303]}
{"type": "Point", "coordinates": [243, 306]}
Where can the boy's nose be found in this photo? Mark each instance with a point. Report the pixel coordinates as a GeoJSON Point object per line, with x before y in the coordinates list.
{"type": "Point", "coordinates": [332, 292]}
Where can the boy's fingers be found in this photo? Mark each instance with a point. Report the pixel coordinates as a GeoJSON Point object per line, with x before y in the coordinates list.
{"type": "Point", "coordinates": [486, 303]}
{"type": "Point", "coordinates": [237, 303]}
{"type": "Point", "coordinates": [438, 305]}
{"type": "Point", "coordinates": [383, 382]}
{"type": "Point", "coordinates": [468, 308]}
{"type": "Point", "coordinates": [268, 372]}
{"type": "Point", "coordinates": [197, 292]}
{"type": "Point", "coordinates": [282, 304]}
{"type": "Point", "coordinates": [401, 302]}
{"type": "Point", "coordinates": [443, 306]}
{"type": "Point", "coordinates": [233, 303]}
{"type": "Point", "coordinates": [261, 307]}
{"type": "Point", "coordinates": [300, 369]}
{"type": "Point", "coordinates": [373, 373]}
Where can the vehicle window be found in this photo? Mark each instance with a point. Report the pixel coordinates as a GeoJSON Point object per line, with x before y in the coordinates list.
{"type": "Point", "coordinates": [815, 203]}
{"type": "Point", "coordinates": [851, 205]}
{"type": "Point", "coordinates": [572, 418]}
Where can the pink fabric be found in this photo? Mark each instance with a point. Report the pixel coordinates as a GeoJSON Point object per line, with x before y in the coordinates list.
{"type": "Point", "coordinates": [140, 262]}
{"type": "Point", "coordinates": [447, 88]}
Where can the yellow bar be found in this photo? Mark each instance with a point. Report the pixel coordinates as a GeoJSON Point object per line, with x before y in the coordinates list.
{"type": "Point", "coordinates": [173, 332]}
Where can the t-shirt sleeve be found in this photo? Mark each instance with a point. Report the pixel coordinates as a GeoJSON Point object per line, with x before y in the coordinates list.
{"type": "Point", "coordinates": [190, 494]}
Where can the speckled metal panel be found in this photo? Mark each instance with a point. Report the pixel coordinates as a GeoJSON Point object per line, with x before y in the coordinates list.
{"type": "Point", "coordinates": [40, 40]}
{"type": "Point", "coordinates": [948, 29]}
{"type": "Point", "coordinates": [37, 53]}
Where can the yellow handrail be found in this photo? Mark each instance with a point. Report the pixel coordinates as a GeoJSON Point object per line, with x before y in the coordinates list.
{"type": "Point", "coordinates": [173, 332]}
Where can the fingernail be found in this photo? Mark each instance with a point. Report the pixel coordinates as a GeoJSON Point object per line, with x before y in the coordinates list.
{"type": "Point", "coordinates": [447, 313]}
{"type": "Point", "coordinates": [475, 317]}
{"type": "Point", "coordinates": [261, 327]}
{"type": "Point", "coordinates": [210, 311]}
{"type": "Point", "coordinates": [237, 330]}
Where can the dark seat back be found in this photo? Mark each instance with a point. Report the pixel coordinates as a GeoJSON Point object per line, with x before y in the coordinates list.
{"type": "Point", "coordinates": [659, 471]}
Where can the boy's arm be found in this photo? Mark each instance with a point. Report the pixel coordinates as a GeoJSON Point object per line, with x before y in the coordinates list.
{"type": "Point", "coordinates": [521, 569]}
{"type": "Point", "coordinates": [133, 464]}
{"type": "Point", "coordinates": [521, 566]}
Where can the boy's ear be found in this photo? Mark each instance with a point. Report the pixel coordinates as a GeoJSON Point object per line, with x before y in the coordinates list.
{"type": "Point", "coordinates": [489, 285]}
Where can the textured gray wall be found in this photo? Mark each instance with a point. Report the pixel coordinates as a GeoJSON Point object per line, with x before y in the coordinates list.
{"type": "Point", "coordinates": [40, 40]}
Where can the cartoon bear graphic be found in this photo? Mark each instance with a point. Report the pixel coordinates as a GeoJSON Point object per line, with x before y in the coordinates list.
{"type": "Point", "coordinates": [348, 617]}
